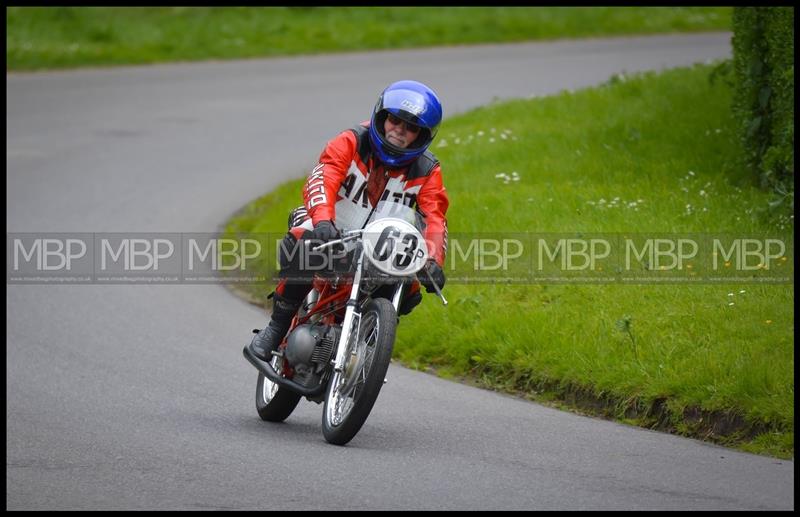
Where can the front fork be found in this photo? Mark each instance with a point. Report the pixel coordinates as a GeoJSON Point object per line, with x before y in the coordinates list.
{"type": "Point", "coordinates": [350, 315]}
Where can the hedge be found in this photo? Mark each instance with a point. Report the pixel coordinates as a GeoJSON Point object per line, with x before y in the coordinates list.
{"type": "Point", "coordinates": [763, 62]}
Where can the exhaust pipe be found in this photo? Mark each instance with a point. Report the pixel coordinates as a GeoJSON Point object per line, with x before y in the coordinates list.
{"type": "Point", "coordinates": [267, 369]}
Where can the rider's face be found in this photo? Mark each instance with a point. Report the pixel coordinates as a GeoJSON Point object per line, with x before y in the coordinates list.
{"type": "Point", "coordinates": [399, 132]}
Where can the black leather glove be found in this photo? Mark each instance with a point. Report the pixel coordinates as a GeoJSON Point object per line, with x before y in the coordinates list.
{"type": "Point", "coordinates": [436, 273]}
{"type": "Point", "coordinates": [325, 231]}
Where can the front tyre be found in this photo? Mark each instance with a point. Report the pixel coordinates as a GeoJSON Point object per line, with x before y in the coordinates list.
{"type": "Point", "coordinates": [352, 393]}
{"type": "Point", "coordinates": [273, 403]}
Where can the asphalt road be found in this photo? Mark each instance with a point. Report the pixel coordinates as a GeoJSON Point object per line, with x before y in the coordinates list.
{"type": "Point", "coordinates": [138, 397]}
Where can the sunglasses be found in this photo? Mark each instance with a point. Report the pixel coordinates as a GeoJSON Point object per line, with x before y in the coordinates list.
{"type": "Point", "coordinates": [396, 121]}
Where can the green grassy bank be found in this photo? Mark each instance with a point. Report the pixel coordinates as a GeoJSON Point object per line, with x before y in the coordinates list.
{"type": "Point", "coordinates": [63, 37]}
{"type": "Point", "coordinates": [641, 154]}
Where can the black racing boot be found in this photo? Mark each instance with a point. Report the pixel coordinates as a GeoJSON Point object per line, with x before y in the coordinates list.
{"type": "Point", "coordinates": [270, 337]}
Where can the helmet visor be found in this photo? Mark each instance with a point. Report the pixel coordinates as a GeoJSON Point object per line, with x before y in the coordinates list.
{"type": "Point", "coordinates": [421, 135]}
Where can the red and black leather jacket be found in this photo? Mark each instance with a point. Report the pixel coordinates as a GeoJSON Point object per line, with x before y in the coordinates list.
{"type": "Point", "coordinates": [349, 175]}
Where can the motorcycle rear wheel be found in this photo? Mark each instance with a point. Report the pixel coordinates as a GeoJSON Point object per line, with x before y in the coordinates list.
{"type": "Point", "coordinates": [352, 393]}
{"type": "Point", "coordinates": [273, 403]}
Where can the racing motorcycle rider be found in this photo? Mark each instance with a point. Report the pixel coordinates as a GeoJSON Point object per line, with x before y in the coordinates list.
{"type": "Point", "coordinates": [383, 159]}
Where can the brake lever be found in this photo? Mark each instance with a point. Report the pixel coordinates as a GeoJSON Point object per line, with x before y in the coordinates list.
{"type": "Point", "coordinates": [435, 287]}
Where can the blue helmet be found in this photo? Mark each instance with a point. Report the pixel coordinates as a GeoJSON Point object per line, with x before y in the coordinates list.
{"type": "Point", "coordinates": [413, 102]}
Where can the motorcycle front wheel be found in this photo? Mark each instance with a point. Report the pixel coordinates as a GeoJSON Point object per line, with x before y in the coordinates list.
{"type": "Point", "coordinates": [353, 392]}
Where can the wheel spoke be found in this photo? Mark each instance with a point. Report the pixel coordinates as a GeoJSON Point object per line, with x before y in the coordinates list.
{"type": "Point", "coordinates": [350, 385]}
{"type": "Point", "coordinates": [372, 336]}
{"type": "Point", "coordinates": [269, 388]}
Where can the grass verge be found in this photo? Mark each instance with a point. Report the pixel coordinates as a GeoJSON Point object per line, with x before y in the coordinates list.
{"type": "Point", "coordinates": [64, 37]}
{"type": "Point", "coordinates": [640, 154]}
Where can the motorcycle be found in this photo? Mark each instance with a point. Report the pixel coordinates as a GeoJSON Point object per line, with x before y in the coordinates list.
{"type": "Point", "coordinates": [340, 343]}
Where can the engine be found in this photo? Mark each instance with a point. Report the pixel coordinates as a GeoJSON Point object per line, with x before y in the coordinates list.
{"type": "Point", "coordinates": [309, 349]}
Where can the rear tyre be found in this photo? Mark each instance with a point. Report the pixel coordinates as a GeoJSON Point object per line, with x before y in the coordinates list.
{"type": "Point", "coordinates": [273, 403]}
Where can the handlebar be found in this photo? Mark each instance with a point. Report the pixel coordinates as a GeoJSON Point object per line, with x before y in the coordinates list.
{"type": "Point", "coordinates": [351, 234]}
{"type": "Point", "coordinates": [354, 234]}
